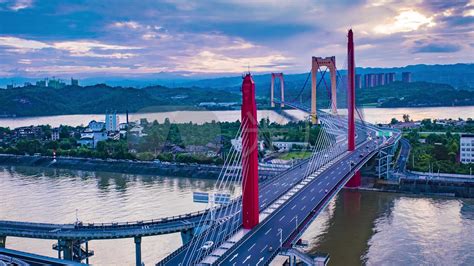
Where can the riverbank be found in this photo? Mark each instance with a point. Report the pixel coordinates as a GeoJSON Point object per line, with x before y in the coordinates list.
{"type": "Point", "coordinates": [446, 187]}
{"type": "Point", "coordinates": [117, 166]}
{"type": "Point", "coordinates": [202, 171]}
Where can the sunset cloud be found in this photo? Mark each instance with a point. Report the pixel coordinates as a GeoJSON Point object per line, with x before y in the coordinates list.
{"type": "Point", "coordinates": [218, 37]}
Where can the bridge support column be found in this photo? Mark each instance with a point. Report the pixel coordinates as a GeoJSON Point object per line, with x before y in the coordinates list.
{"type": "Point", "coordinates": [87, 252]}
{"type": "Point", "coordinates": [314, 72]}
{"type": "Point", "coordinates": [292, 260]}
{"type": "Point", "coordinates": [3, 241]}
{"type": "Point", "coordinates": [73, 250]}
{"type": "Point", "coordinates": [272, 92]}
{"type": "Point", "coordinates": [138, 250]}
{"type": "Point", "coordinates": [187, 235]}
{"type": "Point", "coordinates": [66, 246]}
{"type": "Point", "coordinates": [356, 179]}
{"type": "Point", "coordinates": [250, 206]}
{"type": "Point", "coordinates": [282, 89]}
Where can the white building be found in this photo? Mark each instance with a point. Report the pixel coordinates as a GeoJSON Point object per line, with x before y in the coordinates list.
{"type": "Point", "coordinates": [289, 145]}
{"type": "Point", "coordinates": [467, 148]}
{"type": "Point", "coordinates": [237, 144]}
{"type": "Point", "coordinates": [96, 126]}
{"type": "Point", "coordinates": [55, 133]}
{"type": "Point", "coordinates": [90, 138]}
{"type": "Point", "coordinates": [112, 122]}
{"type": "Point", "coordinates": [137, 131]}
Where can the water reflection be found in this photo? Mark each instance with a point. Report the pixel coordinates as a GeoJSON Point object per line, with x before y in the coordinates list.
{"type": "Point", "coordinates": [373, 115]}
{"type": "Point", "coordinates": [392, 229]}
{"type": "Point", "coordinates": [356, 228]}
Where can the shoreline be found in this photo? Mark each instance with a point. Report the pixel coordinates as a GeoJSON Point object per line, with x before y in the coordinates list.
{"type": "Point", "coordinates": [201, 171]}
{"type": "Point", "coordinates": [122, 166]}
{"type": "Point", "coordinates": [14, 116]}
{"type": "Point", "coordinates": [442, 188]}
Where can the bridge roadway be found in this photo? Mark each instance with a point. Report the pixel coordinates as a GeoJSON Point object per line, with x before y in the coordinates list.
{"type": "Point", "coordinates": [284, 226]}
{"type": "Point", "coordinates": [100, 231]}
{"type": "Point", "coordinates": [404, 155]}
{"type": "Point", "coordinates": [269, 193]}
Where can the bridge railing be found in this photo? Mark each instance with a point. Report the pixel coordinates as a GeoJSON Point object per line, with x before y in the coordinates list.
{"type": "Point", "coordinates": [145, 222]}
{"type": "Point", "coordinates": [110, 224]}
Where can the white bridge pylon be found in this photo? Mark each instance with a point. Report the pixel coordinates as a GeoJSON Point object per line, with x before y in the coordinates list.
{"type": "Point", "coordinates": [316, 64]}
{"type": "Point", "coordinates": [282, 89]}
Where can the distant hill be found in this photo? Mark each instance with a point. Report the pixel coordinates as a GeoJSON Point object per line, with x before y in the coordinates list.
{"type": "Point", "coordinates": [457, 75]}
{"type": "Point", "coordinates": [435, 85]}
{"type": "Point", "coordinates": [36, 101]}
{"type": "Point", "coordinates": [416, 94]}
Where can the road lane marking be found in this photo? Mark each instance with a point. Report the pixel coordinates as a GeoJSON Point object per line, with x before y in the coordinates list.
{"type": "Point", "coordinates": [321, 190]}
{"type": "Point", "coordinates": [252, 246]}
{"type": "Point", "coordinates": [282, 218]}
{"type": "Point", "coordinates": [293, 207]}
{"type": "Point", "coordinates": [264, 248]}
{"type": "Point", "coordinates": [312, 198]}
{"type": "Point", "coordinates": [304, 207]}
{"type": "Point", "coordinates": [260, 260]}
{"type": "Point", "coordinates": [266, 233]}
{"type": "Point", "coordinates": [246, 259]}
{"type": "Point", "coordinates": [235, 256]}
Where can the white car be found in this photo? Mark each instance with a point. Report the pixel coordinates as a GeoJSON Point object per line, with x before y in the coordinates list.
{"type": "Point", "coordinates": [207, 245]}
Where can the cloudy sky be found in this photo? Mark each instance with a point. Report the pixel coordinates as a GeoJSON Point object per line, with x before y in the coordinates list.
{"type": "Point", "coordinates": [90, 38]}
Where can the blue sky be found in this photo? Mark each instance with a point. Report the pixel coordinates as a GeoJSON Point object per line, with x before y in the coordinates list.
{"type": "Point", "coordinates": [85, 38]}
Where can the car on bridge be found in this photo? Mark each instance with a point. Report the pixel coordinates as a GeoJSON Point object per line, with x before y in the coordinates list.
{"type": "Point", "coordinates": [207, 245]}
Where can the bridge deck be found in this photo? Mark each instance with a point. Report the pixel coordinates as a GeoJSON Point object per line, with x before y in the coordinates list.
{"type": "Point", "coordinates": [290, 220]}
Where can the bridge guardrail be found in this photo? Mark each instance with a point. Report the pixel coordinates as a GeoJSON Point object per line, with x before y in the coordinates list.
{"type": "Point", "coordinates": [143, 222]}
{"type": "Point", "coordinates": [111, 224]}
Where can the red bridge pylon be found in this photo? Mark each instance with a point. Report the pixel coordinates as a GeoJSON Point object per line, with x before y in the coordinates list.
{"type": "Point", "coordinates": [250, 205]}
{"type": "Point", "coordinates": [356, 179]}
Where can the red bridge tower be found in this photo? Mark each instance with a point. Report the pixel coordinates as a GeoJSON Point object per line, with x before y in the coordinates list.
{"type": "Point", "coordinates": [250, 206]}
{"type": "Point", "coordinates": [355, 180]}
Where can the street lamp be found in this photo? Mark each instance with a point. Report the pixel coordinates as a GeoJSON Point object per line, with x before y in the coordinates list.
{"type": "Point", "coordinates": [280, 231]}
{"type": "Point", "coordinates": [296, 222]}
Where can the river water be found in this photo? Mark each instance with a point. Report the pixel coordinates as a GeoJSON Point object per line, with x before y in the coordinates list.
{"type": "Point", "coordinates": [372, 228]}
{"type": "Point", "coordinates": [372, 115]}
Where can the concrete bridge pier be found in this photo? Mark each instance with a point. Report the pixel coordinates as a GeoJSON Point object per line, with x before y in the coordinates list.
{"type": "Point", "coordinates": [3, 241]}
{"type": "Point", "coordinates": [187, 235]}
{"type": "Point", "coordinates": [138, 250]}
{"type": "Point", "coordinates": [71, 249]}
{"type": "Point", "coordinates": [66, 246]}
{"type": "Point", "coordinates": [291, 260]}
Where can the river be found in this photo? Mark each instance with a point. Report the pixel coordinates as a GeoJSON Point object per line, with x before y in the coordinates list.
{"type": "Point", "coordinates": [372, 228]}
{"type": "Point", "coordinates": [373, 115]}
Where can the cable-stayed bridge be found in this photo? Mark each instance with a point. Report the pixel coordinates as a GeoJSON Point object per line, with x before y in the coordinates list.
{"type": "Point", "coordinates": [268, 218]}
